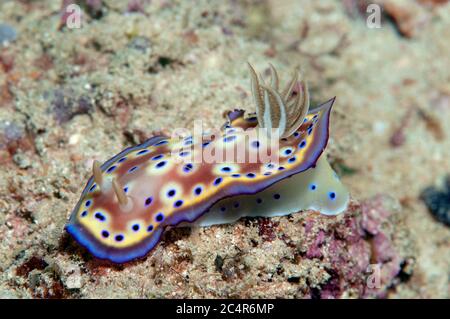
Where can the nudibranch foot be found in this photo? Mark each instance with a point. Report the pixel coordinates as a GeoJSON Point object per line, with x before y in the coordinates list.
{"type": "Point", "coordinates": [318, 188]}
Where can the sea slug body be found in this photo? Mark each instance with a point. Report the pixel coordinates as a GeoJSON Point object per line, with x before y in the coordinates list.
{"type": "Point", "coordinates": [135, 195]}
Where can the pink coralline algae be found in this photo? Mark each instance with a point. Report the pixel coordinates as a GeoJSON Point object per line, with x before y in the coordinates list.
{"type": "Point", "coordinates": [65, 105]}
{"type": "Point", "coordinates": [314, 250]}
{"type": "Point", "coordinates": [378, 217]}
{"type": "Point", "coordinates": [365, 254]}
{"type": "Point", "coordinates": [13, 138]}
{"type": "Point", "coordinates": [135, 6]}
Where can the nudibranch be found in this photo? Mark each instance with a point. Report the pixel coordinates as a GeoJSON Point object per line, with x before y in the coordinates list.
{"type": "Point", "coordinates": [269, 163]}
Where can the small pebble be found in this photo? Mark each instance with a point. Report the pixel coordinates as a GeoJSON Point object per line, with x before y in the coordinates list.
{"type": "Point", "coordinates": [7, 34]}
{"type": "Point", "coordinates": [140, 43]}
{"type": "Point", "coordinates": [438, 201]}
{"type": "Point", "coordinates": [74, 139]}
{"type": "Point", "coordinates": [379, 127]}
{"type": "Point", "coordinates": [11, 131]}
{"type": "Point", "coordinates": [22, 160]}
{"type": "Point", "coordinates": [73, 281]}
